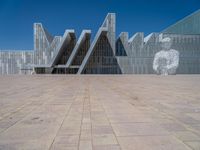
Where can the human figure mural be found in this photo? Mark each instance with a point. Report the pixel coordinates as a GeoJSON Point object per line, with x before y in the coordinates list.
{"type": "Point", "coordinates": [166, 61]}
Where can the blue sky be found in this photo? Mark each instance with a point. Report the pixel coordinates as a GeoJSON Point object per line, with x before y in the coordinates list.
{"type": "Point", "coordinates": [17, 17]}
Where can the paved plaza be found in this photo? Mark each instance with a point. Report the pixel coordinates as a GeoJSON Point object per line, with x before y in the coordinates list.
{"type": "Point", "coordinates": [110, 112]}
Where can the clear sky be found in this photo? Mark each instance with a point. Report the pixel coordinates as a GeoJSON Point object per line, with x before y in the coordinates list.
{"type": "Point", "coordinates": [17, 17]}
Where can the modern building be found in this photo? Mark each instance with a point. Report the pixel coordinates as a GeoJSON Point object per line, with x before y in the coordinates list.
{"type": "Point", "coordinates": [105, 54]}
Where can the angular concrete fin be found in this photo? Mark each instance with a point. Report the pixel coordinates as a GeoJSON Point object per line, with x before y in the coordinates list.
{"type": "Point", "coordinates": [42, 42]}
{"type": "Point", "coordinates": [68, 35]}
{"type": "Point", "coordinates": [40, 30]}
{"type": "Point", "coordinates": [109, 23]}
{"type": "Point", "coordinates": [102, 59]}
{"type": "Point", "coordinates": [108, 27]}
{"type": "Point", "coordinates": [84, 35]}
{"type": "Point", "coordinates": [187, 25]}
{"type": "Point", "coordinates": [102, 30]}
{"type": "Point", "coordinates": [122, 44]}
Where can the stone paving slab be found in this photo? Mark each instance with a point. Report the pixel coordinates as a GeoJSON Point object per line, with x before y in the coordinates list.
{"type": "Point", "coordinates": [102, 112]}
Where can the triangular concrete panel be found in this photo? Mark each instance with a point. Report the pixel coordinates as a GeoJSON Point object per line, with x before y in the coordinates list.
{"type": "Point", "coordinates": [67, 37]}
{"type": "Point", "coordinates": [107, 28]}
{"type": "Point", "coordinates": [84, 37]}
{"type": "Point", "coordinates": [102, 59]}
